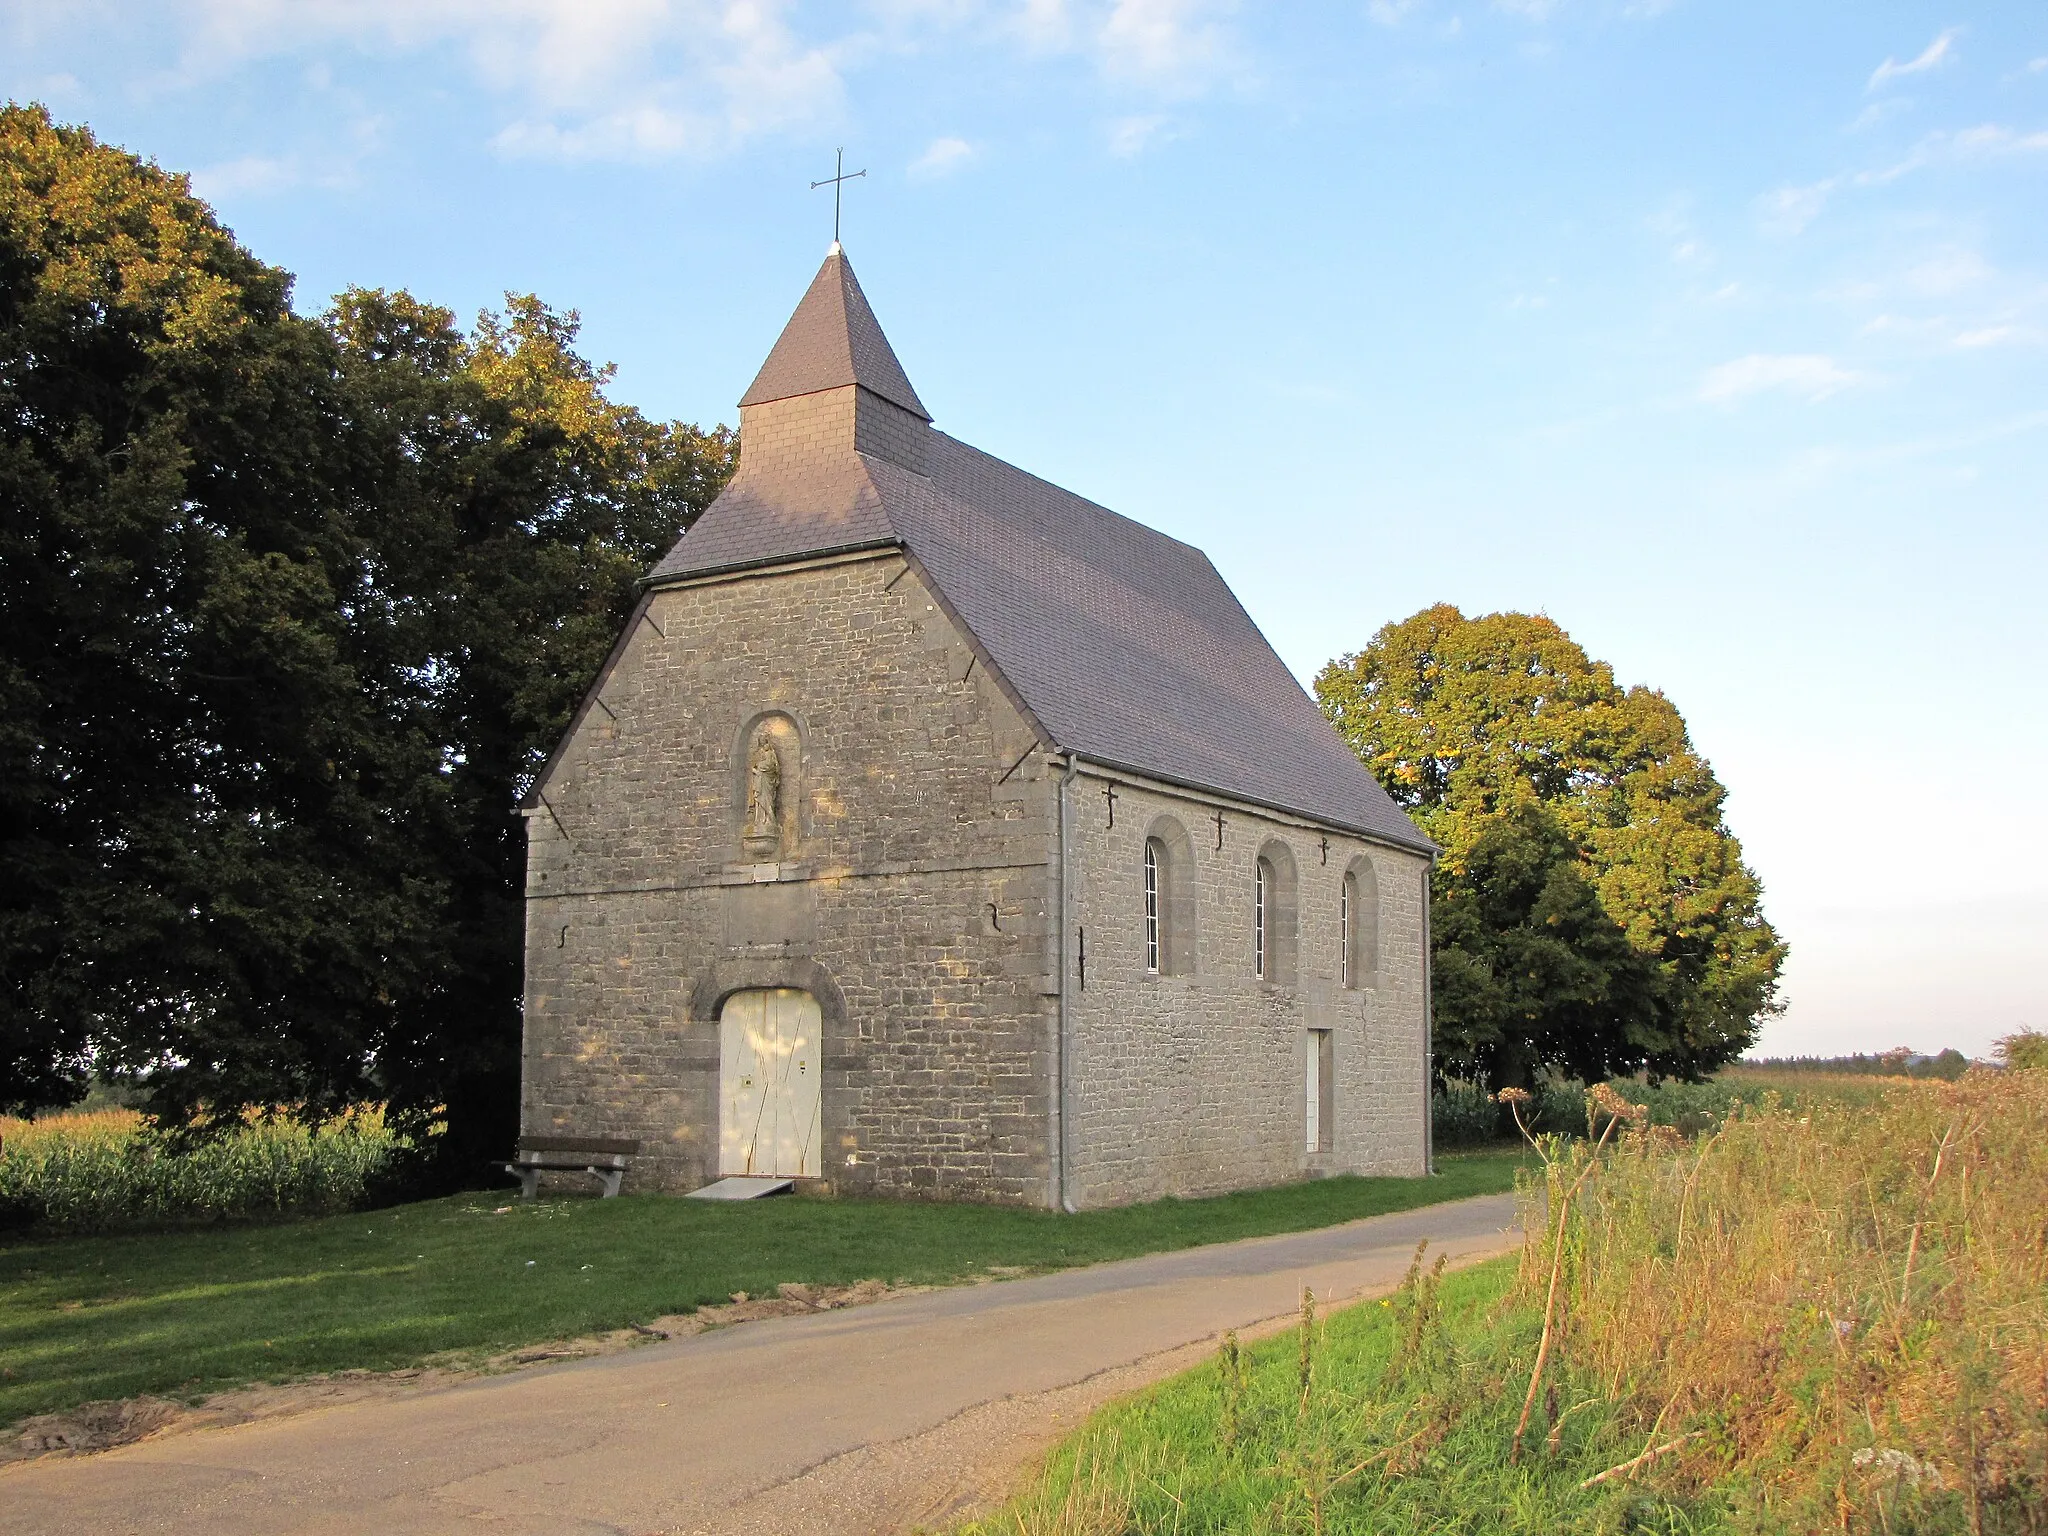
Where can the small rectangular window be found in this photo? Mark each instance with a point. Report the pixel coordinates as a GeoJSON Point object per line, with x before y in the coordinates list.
{"type": "Point", "coordinates": [1321, 1101]}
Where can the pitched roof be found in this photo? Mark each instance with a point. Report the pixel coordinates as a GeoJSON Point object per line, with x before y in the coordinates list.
{"type": "Point", "coordinates": [833, 340]}
{"type": "Point", "coordinates": [1126, 645]}
{"type": "Point", "coordinates": [761, 518]}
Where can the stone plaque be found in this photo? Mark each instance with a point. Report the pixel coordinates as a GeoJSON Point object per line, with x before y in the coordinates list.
{"type": "Point", "coordinates": [781, 916]}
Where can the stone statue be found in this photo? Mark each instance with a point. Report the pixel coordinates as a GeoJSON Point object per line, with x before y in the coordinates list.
{"type": "Point", "coordinates": [764, 790]}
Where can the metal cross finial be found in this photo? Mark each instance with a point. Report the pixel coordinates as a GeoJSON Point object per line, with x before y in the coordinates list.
{"type": "Point", "coordinates": [835, 181]}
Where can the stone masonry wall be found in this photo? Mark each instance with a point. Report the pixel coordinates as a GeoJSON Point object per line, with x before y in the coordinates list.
{"type": "Point", "coordinates": [909, 894]}
{"type": "Point", "coordinates": [1195, 1084]}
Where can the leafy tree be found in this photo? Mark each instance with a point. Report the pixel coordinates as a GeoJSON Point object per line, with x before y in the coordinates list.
{"type": "Point", "coordinates": [293, 609]}
{"type": "Point", "coordinates": [1591, 910]}
{"type": "Point", "coordinates": [2025, 1051]}
{"type": "Point", "coordinates": [190, 837]}
{"type": "Point", "coordinates": [514, 507]}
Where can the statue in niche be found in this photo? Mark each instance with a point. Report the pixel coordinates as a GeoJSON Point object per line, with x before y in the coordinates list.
{"type": "Point", "coordinates": [764, 792]}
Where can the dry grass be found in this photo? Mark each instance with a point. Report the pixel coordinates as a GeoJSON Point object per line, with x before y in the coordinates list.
{"type": "Point", "coordinates": [1828, 1317]}
{"type": "Point", "coordinates": [1842, 1309]}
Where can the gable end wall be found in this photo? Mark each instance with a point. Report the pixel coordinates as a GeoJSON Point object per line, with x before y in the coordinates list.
{"type": "Point", "coordinates": [911, 898]}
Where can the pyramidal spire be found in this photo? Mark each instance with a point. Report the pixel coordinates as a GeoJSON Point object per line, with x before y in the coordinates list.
{"type": "Point", "coordinates": [833, 340]}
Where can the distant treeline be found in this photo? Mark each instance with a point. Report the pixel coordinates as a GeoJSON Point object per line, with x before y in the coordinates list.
{"type": "Point", "coordinates": [1950, 1064]}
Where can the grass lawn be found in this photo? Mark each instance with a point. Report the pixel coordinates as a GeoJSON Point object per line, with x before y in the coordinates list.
{"type": "Point", "coordinates": [185, 1313]}
{"type": "Point", "coordinates": [1404, 1427]}
{"type": "Point", "coordinates": [1249, 1454]}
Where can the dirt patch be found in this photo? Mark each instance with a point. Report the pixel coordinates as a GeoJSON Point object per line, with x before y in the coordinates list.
{"type": "Point", "coordinates": [102, 1426]}
{"type": "Point", "coordinates": [789, 1300]}
{"type": "Point", "coordinates": [90, 1427]}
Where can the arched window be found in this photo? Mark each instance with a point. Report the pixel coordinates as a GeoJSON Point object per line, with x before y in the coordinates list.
{"type": "Point", "coordinates": [1262, 881]}
{"type": "Point", "coordinates": [1359, 924]}
{"type": "Point", "coordinates": [1273, 914]}
{"type": "Point", "coordinates": [1344, 924]}
{"type": "Point", "coordinates": [1155, 855]}
{"type": "Point", "coordinates": [1169, 900]}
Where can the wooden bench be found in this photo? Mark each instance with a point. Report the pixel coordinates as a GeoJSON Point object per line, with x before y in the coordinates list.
{"type": "Point", "coordinates": [604, 1160]}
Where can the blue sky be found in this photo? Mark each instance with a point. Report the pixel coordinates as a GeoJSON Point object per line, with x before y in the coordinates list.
{"type": "Point", "coordinates": [1717, 332]}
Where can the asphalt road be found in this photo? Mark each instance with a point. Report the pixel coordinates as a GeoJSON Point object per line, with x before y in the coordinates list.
{"type": "Point", "coordinates": [872, 1419]}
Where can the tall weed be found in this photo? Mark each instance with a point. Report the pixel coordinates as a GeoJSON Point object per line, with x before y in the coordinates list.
{"type": "Point", "coordinates": [1829, 1317]}
{"type": "Point", "coordinates": [1839, 1314]}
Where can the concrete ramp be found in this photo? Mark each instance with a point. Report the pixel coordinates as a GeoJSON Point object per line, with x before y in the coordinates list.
{"type": "Point", "coordinates": [742, 1188]}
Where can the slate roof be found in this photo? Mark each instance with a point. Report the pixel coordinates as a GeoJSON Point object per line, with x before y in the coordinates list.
{"type": "Point", "coordinates": [759, 518]}
{"type": "Point", "coordinates": [1126, 645]}
{"type": "Point", "coordinates": [833, 340]}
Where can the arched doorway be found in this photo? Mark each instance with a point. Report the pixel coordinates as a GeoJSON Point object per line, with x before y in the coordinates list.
{"type": "Point", "coordinates": [769, 1112]}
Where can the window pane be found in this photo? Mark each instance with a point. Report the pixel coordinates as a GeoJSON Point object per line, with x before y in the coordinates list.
{"type": "Point", "coordinates": [1259, 920]}
{"type": "Point", "coordinates": [1152, 907]}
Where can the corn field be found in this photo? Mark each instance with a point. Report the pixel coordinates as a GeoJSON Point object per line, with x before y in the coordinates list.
{"type": "Point", "coordinates": [105, 1170]}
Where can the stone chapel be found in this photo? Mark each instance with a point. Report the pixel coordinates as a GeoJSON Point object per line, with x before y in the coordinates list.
{"type": "Point", "coordinates": [932, 831]}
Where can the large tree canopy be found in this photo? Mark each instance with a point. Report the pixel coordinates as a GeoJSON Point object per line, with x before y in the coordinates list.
{"type": "Point", "coordinates": [1591, 910]}
{"type": "Point", "coordinates": [293, 608]}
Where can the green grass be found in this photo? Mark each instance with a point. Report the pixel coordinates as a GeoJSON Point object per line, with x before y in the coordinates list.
{"type": "Point", "coordinates": [188, 1312]}
{"type": "Point", "coordinates": [1418, 1393]}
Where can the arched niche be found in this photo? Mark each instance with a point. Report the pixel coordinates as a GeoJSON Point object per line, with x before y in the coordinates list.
{"type": "Point", "coordinates": [1358, 923]}
{"type": "Point", "coordinates": [1167, 942]}
{"type": "Point", "coordinates": [1276, 906]}
{"type": "Point", "coordinates": [767, 785]}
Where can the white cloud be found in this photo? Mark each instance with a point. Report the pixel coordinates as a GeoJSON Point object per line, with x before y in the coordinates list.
{"type": "Point", "coordinates": [1391, 13]}
{"type": "Point", "coordinates": [586, 78]}
{"type": "Point", "coordinates": [1948, 271]}
{"type": "Point", "coordinates": [51, 90]}
{"type": "Point", "coordinates": [1180, 46]}
{"type": "Point", "coordinates": [1937, 333]}
{"type": "Point", "coordinates": [1875, 112]}
{"type": "Point", "coordinates": [941, 157]}
{"type": "Point", "coordinates": [1047, 26]}
{"type": "Point", "coordinates": [641, 79]}
{"type": "Point", "coordinates": [1673, 225]}
{"type": "Point", "coordinates": [1936, 53]}
{"type": "Point", "coordinates": [336, 163]}
{"type": "Point", "coordinates": [1991, 139]}
{"type": "Point", "coordinates": [1171, 47]}
{"type": "Point", "coordinates": [1801, 373]}
{"type": "Point", "coordinates": [646, 132]}
{"type": "Point", "coordinates": [1987, 336]}
{"type": "Point", "coordinates": [1130, 136]}
{"type": "Point", "coordinates": [1789, 210]}
{"type": "Point", "coordinates": [251, 175]}
{"type": "Point", "coordinates": [1985, 140]}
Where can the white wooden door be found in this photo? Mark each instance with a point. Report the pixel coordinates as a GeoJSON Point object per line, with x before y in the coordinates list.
{"type": "Point", "coordinates": [770, 1121]}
